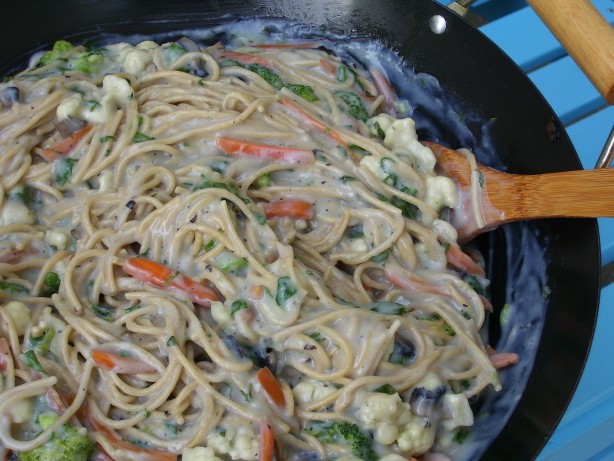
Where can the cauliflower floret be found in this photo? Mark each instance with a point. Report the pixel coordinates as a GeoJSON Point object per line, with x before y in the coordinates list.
{"type": "Point", "coordinates": [456, 408]}
{"type": "Point", "coordinates": [199, 454]}
{"type": "Point", "coordinates": [311, 390]}
{"type": "Point", "coordinates": [13, 212]}
{"type": "Point", "coordinates": [380, 407]}
{"type": "Point", "coordinates": [237, 439]}
{"type": "Point", "coordinates": [441, 192]}
{"type": "Point", "coordinates": [401, 137]}
{"type": "Point", "coordinates": [417, 436]}
{"type": "Point", "coordinates": [445, 230]}
{"type": "Point", "coordinates": [19, 314]}
{"type": "Point", "coordinates": [57, 238]}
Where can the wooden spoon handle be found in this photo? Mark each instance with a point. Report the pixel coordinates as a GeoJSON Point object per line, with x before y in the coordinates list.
{"type": "Point", "coordinates": [584, 193]}
{"type": "Point", "coordinates": [587, 37]}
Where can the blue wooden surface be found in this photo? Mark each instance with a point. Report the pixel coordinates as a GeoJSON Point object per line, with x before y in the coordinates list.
{"type": "Point", "coordinates": [586, 432]}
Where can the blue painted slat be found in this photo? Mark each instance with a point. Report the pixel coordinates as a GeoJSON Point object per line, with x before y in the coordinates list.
{"type": "Point", "coordinates": [525, 38]}
{"type": "Point", "coordinates": [587, 429]}
{"type": "Point", "coordinates": [567, 89]}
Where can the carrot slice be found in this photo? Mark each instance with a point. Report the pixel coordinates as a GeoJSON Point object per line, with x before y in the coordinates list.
{"type": "Point", "coordinates": [161, 276]}
{"type": "Point", "coordinates": [410, 283]}
{"type": "Point", "coordinates": [328, 66]}
{"type": "Point", "coordinates": [283, 154]}
{"type": "Point", "coordinates": [317, 124]}
{"type": "Point", "coordinates": [119, 364]}
{"type": "Point", "coordinates": [65, 146]}
{"type": "Point", "coordinates": [270, 385]}
{"type": "Point", "coordinates": [282, 46]}
{"type": "Point", "coordinates": [245, 58]}
{"type": "Point", "coordinates": [385, 89]}
{"type": "Point", "coordinates": [144, 454]}
{"type": "Point", "coordinates": [460, 260]}
{"type": "Point", "coordinates": [267, 441]}
{"type": "Point", "coordinates": [503, 359]}
{"type": "Point", "coordinates": [289, 208]}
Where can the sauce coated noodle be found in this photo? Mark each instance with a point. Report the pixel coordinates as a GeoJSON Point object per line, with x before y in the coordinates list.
{"type": "Point", "coordinates": [221, 253]}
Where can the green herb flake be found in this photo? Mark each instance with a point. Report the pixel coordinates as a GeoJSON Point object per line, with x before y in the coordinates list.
{"type": "Point", "coordinates": [342, 73]}
{"type": "Point", "coordinates": [380, 133]}
{"type": "Point", "coordinates": [355, 232]}
{"type": "Point", "coordinates": [146, 412]}
{"type": "Point", "coordinates": [238, 305]}
{"type": "Point", "coordinates": [91, 104]}
{"type": "Point", "coordinates": [30, 359]}
{"type": "Point", "coordinates": [141, 137]}
{"type": "Point", "coordinates": [285, 290]}
{"type": "Point", "coordinates": [386, 389]}
{"type": "Point", "coordinates": [248, 395]}
{"type": "Point", "coordinates": [43, 342]}
{"type": "Point", "coordinates": [260, 218]}
{"type": "Point", "coordinates": [102, 312]}
{"type": "Point", "coordinates": [107, 138]}
{"type": "Point", "coordinates": [317, 336]}
{"type": "Point", "coordinates": [304, 91]}
{"type": "Point", "coordinates": [460, 435]}
{"type": "Point", "coordinates": [12, 288]}
{"type": "Point", "coordinates": [133, 308]}
{"type": "Point", "coordinates": [380, 258]}
{"type": "Point", "coordinates": [210, 244]}
{"type": "Point", "coordinates": [172, 341]}
{"type": "Point", "coordinates": [346, 179]}
{"type": "Point", "coordinates": [63, 170]}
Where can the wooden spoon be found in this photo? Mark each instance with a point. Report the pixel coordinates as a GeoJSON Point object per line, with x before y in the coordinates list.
{"type": "Point", "coordinates": [505, 197]}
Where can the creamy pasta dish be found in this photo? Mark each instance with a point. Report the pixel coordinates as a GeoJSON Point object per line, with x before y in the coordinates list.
{"type": "Point", "coordinates": [214, 252]}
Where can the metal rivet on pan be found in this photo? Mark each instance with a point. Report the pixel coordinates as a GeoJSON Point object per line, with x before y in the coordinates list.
{"type": "Point", "coordinates": [438, 24]}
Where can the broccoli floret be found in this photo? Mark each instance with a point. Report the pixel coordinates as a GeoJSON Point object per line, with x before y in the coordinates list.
{"type": "Point", "coordinates": [66, 444]}
{"type": "Point", "coordinates": [267, 74]}
{"type": "Point", "coordinates": [59, 48]}
{"type": "Point", "coordinates": [344, 432]}
{"type": "Point", "coordinates": [354, 104]}
{"type": "Point", "coordinates": [304, 91]}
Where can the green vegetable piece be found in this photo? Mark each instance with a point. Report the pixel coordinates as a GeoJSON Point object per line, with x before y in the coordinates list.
{"type": "Point", "coordinates": [12, 288]}
{"type": "Point", "coordinates": [304, 91]}
{"type": "Point", "coordinates": [107, 138]}
{"type": "Point", "coordinates": [173, 52]}
{"type": "Point", "coordinates": [172, 341]}
{"type": "Point", "coordinates": [354, 232]}
{"type": "Point", "coordinates": [354, 104]}
{"type": "Point", "coordinates": [380, 258]}
{"type": "Point", "coordinates": [238, 305]}
{"type": "Point", "coordinates": [380, 133]}
{"type": "Point", "coordinates": [285, 290]}
{"type": "Point", "coordinates": [30, 359]}
{"type": "Point", "coordinates": [210, 244]}
{"type": "Point", "coordinates": [232, 263]}
{"type": "Point", "coordinates": [59, 48]}
{"type": "Point", "coordinates": [474, 283]}
{"type": "Point", "coordinates": [505, 313]}
{"type": "Point", "coordinates": [67, 443]}
{"type": "Point", "coordinates": [460, 435]}
{"type": "Point", "coordinates": [89, 63]}
{"type": "Point", "coordinates": [348, 433]}
{"type": "Point", "coordinates": [342, 74]}
{"type": "Point", "coordinates": [208, 184]}
{"type": "Point", "coordinates": [63, 170]}
{"type": "Point", "coordinates": [52, 282]}
{"type": "Point", "coordinates": [260, 218]}
{"type": "Point", "coordinates": [346, 179]}
{"type": "Point", "coordinates": [386, 389]}
{"type": "Point", "coordinates": [47, 418]}
{"type": "Point", "coordinates": [389, 308]}
{"type": "Point", "coordinates": [141, 137]}
{"type": "Point", "coordinates": [133, 308]}
{"type": "Point", "coordinates": [409, 210]}
{"type": "Point", "coordinates": [267, 74]}
{"type": "Point", "coordinates": [264, 180]}
{"type": "Point", "coordinates": [43, 342]}
{"type": "Point", "coordinates": [248, 395]}
{"type": "Point", "coordinates": [219, 166]}
{"type": "Point", "coordinates": [102, 312]}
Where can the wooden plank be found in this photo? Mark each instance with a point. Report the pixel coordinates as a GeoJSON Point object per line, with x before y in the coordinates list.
{"type": "Point", "coordinates": [526, 39]}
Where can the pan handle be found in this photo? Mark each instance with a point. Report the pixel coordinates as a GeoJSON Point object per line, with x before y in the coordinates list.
{"type": "Point", "coordinates": [587, 37]}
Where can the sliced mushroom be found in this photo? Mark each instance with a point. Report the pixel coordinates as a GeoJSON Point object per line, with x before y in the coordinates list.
{"type": "Point", "coordinates": [68, 126]}
{"type": "Point", "coordinates": [9, 96]}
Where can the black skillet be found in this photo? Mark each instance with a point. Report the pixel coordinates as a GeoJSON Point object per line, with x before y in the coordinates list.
{"type": "Point", "coordinates": [548, 270]}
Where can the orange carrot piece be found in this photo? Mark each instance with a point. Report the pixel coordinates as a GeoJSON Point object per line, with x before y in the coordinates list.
{"type": "Point", "coordinates": [283, 154]}
{"type": "Point", "coordinates": [161, 276]}
{"type": "Point", "coordinates": [487, 304]}
{"type": "Point", "coordinates": [385, 89]}
{"type": "Point", "coordinates": [408, 282]}
{"type": "Point", "coordinates": [289, 208]}
{"type": "Point", "coordinates": [270, 385]}
{"type": "Point", "coordinates": [320, 126]}
{"type": "Point", "coordinates": [65, 146]}
{"type": "Point", "coordinates": [245, 58]}
{"type": "Point", "coordinates": [144, 454]}
{"type": "Point", "coordinates": [503, 359]}
{"type": "Point", "coordinates": [328, 66]}
{"type": "Point", "coordinates": [267, 441]}
{"type": "Point", "coordinates": [460, 260]}
{"type": "Point", "coordinates": [118, 364]}
{"type": "Point", "coordinates": [282, 46]}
